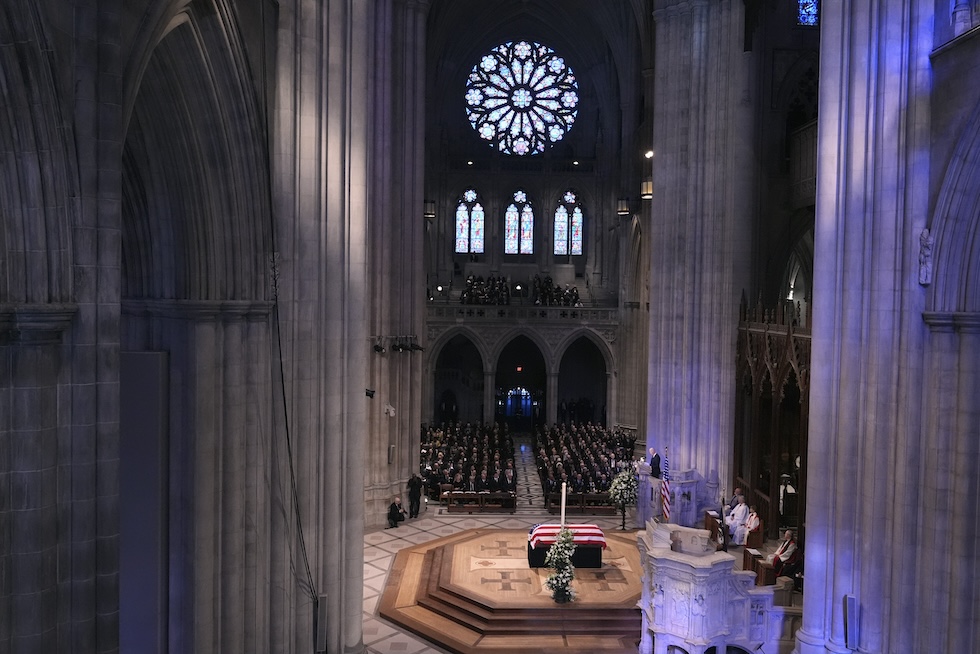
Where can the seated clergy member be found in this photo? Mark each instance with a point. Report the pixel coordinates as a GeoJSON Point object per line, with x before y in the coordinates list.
{"type": "Point", "coordinates": [738, 516]}
{"type": "Point", "coordinates": [786, 554]}
{"type": "Point", "coordinates": [732, 503]}
{"type": "Point", "coordinates": [752, 523]}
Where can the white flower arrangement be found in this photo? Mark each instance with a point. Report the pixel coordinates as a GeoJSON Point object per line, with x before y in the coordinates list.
{"type": "Point", "coordinates": [559, 557]}
{"type": "Point", "coordinates": [624, 488]}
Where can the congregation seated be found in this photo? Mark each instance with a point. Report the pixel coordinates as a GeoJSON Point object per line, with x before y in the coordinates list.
{"type": "Point", "coordinates": [495, 290]}
{"type": "Point", "coordinates": [460, 454]}
{"type": "Point", "coordinates": [544, 292]}
{"type": "Point", "coordinates": [586, 457]}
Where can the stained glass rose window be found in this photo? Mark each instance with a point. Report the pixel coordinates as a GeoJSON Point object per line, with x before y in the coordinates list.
{"type": "Point", "coordinates": [521, 97]}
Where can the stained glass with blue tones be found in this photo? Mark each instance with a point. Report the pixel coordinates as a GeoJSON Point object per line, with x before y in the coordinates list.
{"type": "Point", "coordinates": [476, 229]}
{"type": "Point", "coordinates": [519, 226]}
{"type": "Point", "coordinates": [469, 224]}
{"type": "Point", "coordinates": [569, 226]}
{"type": "Point", "coordinates": [511, 231]}
{"type": "Point", "coordinates": [462, 229]}
{"type": "Point", "coordinates": [578, 222]}
{"type": "Point", "coordinates": [561, 231]}
{"type": "Point", "coordinates": [521, 97]}
{"type": "Point", "coordinates": [527, 230]}
{"type": "Point", "coordinates": [807, 14]}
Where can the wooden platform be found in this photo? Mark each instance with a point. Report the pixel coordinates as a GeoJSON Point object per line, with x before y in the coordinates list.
{"type": "Point", "coordinates": [474, 593]}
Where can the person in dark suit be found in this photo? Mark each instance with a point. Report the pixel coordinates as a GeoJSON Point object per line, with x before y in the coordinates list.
{"type": "Point", "coordinates": [507, 481]}
{"type": "Point", "coordinates": [655, 463]}
{"type": "Point", "coordinates": [732, 503]}
{"type": "Point", "coordinates": [396, 513]}
{"type": "Point", "coordinates": [414, 495]}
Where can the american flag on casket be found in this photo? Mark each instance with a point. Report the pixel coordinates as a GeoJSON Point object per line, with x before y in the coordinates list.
{"type": "Point", "coordinates": [546, 534]}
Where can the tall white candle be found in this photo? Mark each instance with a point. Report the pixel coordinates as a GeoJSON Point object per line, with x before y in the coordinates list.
{"type": "Point", "coordinates": [563, 504]}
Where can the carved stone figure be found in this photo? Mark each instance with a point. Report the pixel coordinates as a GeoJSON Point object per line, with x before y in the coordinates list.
{"type": "Point", "coordinates": [926, 241]}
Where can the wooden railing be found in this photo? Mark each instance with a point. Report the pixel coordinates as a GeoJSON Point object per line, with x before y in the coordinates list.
{"type": "Point", "coordinates": [582, 503]}
{"type": "Point", "coordinates": [470, 502]}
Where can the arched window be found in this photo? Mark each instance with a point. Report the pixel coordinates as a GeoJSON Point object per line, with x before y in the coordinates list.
{"type": "Point", "coordinates": [469, 224]}
{"type": "Point", "coordinates": [569, 225]}
{"type": "Point", "coordinates": [521, 97]}
{"type": "Point", "coordinates": [806, 12]}
{"type": "Point", "coordinates": [519, 226]}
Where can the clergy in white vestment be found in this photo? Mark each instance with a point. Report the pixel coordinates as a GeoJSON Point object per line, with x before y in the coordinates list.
{"type": "Point", "coordinates": [738, 516]}
{"type": "Point", "coordinates": [752, 523]}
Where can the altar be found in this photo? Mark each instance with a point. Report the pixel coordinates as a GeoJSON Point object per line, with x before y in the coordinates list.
{"type": "Point", "coordinates": [588, 539]}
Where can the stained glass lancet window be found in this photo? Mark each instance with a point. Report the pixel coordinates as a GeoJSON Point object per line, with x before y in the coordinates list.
{"type": "Point", "coordinates": [519, 226]}
{"type": "Point", "coordinates": [521, 97]}
{"type": "Point", "coordinates": [807, 12]}
{"type": "Point", "coordinates": [569, 225]}
{"type": "Point", "coordinates": [469, 224]}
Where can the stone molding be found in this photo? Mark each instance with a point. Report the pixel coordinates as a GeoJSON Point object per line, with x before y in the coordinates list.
{"type": "Point", "coordinates": [199, 310]}
{"type": "Point", "coordinates": [35, 323]}
{"type": "Point", "coordinates": [948, 321]}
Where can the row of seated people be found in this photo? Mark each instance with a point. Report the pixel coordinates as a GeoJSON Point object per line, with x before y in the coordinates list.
{"type": "Point", "coordinates": [544, 292]}
{"type": "Point", "coordinates": [495, 290]}
{"type": "Point", "coordinates": [741, 519]}
{"type": "Point", "coordinates": [503, 480]}
{"type": "Point", "coordinates": [585, 457]}
{"type": "Point", "coordinates": [460, 454]}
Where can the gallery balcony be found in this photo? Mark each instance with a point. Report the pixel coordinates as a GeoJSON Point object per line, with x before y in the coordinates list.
{"type": "Point", "coordinates": [454, 312]}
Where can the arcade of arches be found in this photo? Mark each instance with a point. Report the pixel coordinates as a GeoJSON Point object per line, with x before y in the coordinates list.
{"type": "Point", "coordinates": [527, 387]}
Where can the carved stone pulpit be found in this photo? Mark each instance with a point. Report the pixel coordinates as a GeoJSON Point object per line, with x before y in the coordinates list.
{"type": "Point", "coordinates": [684, 497]}
{"type": "Point", "coordinates": [694, 599]}
{"type": "Point", "coordinates": [647, 495]}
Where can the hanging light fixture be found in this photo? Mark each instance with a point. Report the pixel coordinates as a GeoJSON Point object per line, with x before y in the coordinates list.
{"type": "Point", "coordinates": [429, 209]}
{"type": "Point", "coordinates": [646, 189]}
{"type": "Point", "coordinates": [623, 206]}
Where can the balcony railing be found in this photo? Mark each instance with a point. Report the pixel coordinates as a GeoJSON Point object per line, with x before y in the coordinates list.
{"type": "Point", "coordinates": [521, 313]}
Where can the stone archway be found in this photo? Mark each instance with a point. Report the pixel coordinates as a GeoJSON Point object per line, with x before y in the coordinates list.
{"type": "Point", "coordinates": [582, 389]}
{"type": "Point", "coordinates": [458, 382]}
{"type": "Point", "coordinates": [520, 385]}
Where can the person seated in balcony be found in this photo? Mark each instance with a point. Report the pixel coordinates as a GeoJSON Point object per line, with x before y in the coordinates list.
{"type": "Point", "coordinates": [752, 523]}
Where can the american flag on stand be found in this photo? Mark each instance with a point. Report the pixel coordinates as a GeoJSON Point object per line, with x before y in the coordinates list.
{"type": "Point", "coordinates": [665, 488]}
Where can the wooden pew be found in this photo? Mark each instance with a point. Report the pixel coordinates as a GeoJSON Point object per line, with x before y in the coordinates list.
{"type": "Point", "coordinates": [469, 502]}
{"type": "Point", "coordinates": [582, 504]}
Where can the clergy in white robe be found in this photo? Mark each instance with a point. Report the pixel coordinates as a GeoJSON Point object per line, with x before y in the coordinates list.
{"type": "Point", "coordinates": [752, 522]}
{"type": "Point", "coordinates": [738, 516]}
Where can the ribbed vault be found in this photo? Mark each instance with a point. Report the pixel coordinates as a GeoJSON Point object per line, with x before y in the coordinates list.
{"type": "Point", "coordinates": [195, 180]}
{"type": "Point", "coordinates": [956, 229]}
{"type": "Point", "coordinates": [39, 181]}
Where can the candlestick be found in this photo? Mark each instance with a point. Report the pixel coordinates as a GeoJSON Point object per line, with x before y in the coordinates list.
{"type": "Point", "coordinates": [563, 504]}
